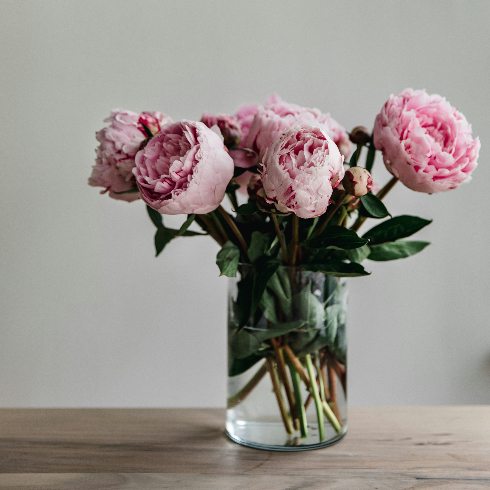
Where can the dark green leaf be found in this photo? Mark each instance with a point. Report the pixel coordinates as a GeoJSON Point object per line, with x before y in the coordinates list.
{"type": "Point", "coordinates": [248, 208]}
{"type": "Point", "coordinates": [186, 233]}
{"type": "Point", "coordinates": [355, 156]}
{"type": "Point", "coordinates": [339, 269]}
{"type": "Point", "coordinates": [265, 269]}
{"type": "Point", "coordinates": [186, 224]}
{"type": "Point", "coordinates": [396, 250]}
{"type": "Point", "coordinates": [240, 171]}
{"type": "Point", "coordinates": [227, 259]}
{"type": "Point", "coordinates": [359, 254]}
{"type": "Point", "coordinates": [162, 237]}
{"type": "Point", "coordinates": [370, 156]}
{"type": "Point", "coordinates": [155, 216]}
{"type": "Point", "coordinates": [336, 237]}
{"type": "Point", "coordinates": [251, 288]}
{"type": "Point", "coordinates": [373, 207]}
{"type": "Point", "coordinates": [395, 228]}
{"type": "Point", "coordinates": [232, 187]}
{"type": "Point", "coordinates": [249, 340]}
{"type": "Point", "coordinates": [239, 366]}
{"type": "Point", "coordinates": [257, 245]}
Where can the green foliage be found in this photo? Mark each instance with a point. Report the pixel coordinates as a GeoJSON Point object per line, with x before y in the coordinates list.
{"type": "Point", "coordinates": [398, 249]}
{"type": "Point", "coordinates": [336, 237]}
{"type": "Point", "coordinates": [370, 156]}
{"type": "Point", "coordinates": [258, 244]}
{"type": "Point", "coordinates": [395, 228]}
{"type": "Point", "coordinates": [162, 237]}
{"type": "Point", "coordinates": [359, 254]}
{"type": "Point", "coordinates": [372, 207]}
{"type": "Point", "coordinates": [246, 209]}
{"type": "Point", "coordinates": [339, 268]}
{"type": "Point", "coordinates": [227, 259]}
{"type": "Point", "coordinates": [186, 224]}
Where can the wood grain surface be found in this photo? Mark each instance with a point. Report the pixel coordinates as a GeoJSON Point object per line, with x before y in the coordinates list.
{"type": "Point", "coordinates": [385, 448]}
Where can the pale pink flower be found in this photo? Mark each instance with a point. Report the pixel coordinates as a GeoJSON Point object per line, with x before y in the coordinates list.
{"type": "Point", "coordinates": [426, 143]}
{"type": "Point", "coordinates": [271, 120]}
{"type": "Point", "coordinates": [119, 143]}
{"type": "Point", "coordinates": [300, 170]}
{"type": "Point", "coordinates": [184, 169]}
{"type": "Point", "coordinates": [228, 125]}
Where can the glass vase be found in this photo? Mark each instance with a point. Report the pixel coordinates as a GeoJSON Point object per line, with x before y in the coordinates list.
{"type": "Point", "coordinates": [287, 361]}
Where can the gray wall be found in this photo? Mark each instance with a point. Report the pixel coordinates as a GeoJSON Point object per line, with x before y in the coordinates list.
{"type": "Point", "coordinates": [88, 316]}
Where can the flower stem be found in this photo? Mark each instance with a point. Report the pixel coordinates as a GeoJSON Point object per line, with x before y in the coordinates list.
{"type": "Point", "coordinates": [205, 223]}
{"type": "Point", "coordinates": [299, 402]}
{"type": "Point", "coordinates": [237, 398]}
{"type": "Point", "coordinates": [283, 375]}
{"type": "Point", "coordinates": [330, 212]}
{"type": "Point", "coordinates": [219, 226]}
{"type": "Point", "coordinates": [234, 228]}
{"type": "Point", "coordinates": [297, 365]}
{"type": "Point", "coordinates": [280, 401]}
{"type": "Point", "coordinates": [316, 396]}
{"type": "Point", "coordinates": [280, 237]}
{"type": "Point", "coordinates": [294, 241]}
{"type": "Point", "coordinates": [380, 195]}
{"type": "Point", "coordinates": [332, 383]}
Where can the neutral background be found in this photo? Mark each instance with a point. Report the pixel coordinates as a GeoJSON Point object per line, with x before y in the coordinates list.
{"type": "Point", "coordinates": [88, 316]}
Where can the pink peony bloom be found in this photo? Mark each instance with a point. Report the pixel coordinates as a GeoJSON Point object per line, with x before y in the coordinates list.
{"type": "Point", "coordinates": [228, 125]}
{"type": "Point", "coordinates": [184, 169]}
{"type": "Point", "coordinates": [119, 143]}
{"type": "Point", "coordinates": [300, 170]}
{"type": "Point", "coordinates": [426, 143]}
{"type": "Point", "coordinates": [271, 120]}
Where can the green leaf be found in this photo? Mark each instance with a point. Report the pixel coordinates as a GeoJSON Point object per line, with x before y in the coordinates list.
{"type": "Point", "coordinates": [249, 340]}
{"type": "Point", "coordinates": [280, 288]}
{"type": "Point", "coordinates": [257, 245]}
{"type": "Point", "coordinates": [355, 156]}
{"type": "Point", "coordinates": [155, 216]}
{"type": "Point", "coordinates": [268, 306]}
{"type": "Point", "coordinates": [186, 224]}
{"type": "Point", "coordinates": [359, 254]}
{"type": "Point", "coordinates": [395, 228]}
{"type": "Point", "coordinates": [370, 156]}
{"type": "Point", "coordinates": [239, 366]}
{"type": "Point", "coordinates": [309, 307]}
{"type": "Point", "coordinates": [162, 237]}
{"type": "Point", "coordinates": [232, 187]}
{"type": "Point", "coordinates": [248, 208]}
{"type": "Point", "coordinates": [251, 288]}
{"type": "Point", "coordinates": [336, 237]}
{"type": "Point", "coordinates": [227, 259]}
{"type": "Point", "coordinates": [373, 207]}
{"type": "Point", "coordinates": [186, 233]}
{"type": "Point", "coordinates": [339, 269]}
{"type": "Point", "coordinates": [396, 250]}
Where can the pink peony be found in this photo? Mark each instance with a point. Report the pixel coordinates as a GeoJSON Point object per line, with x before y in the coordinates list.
{"type": "Point", "coordinates": [228, 125]}
{"type": "Point", "coordinates": [426, 143]}
{"type": "Point", "coordinates": [184, 169]}
{"type": "Point", "coordinates": [271, 120]}
{"type": "Point", "coordinates": [300, 170]}
{"type": "Point", "coordinates": [119, 143]}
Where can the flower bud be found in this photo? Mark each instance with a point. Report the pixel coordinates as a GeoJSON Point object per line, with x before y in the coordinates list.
{"type": "Point", "coordinates": [360, 135]}
{"type": "Point", "coordinates": [357, 181]}
{"type": "Point", "coordinates": [254, 185]}
{"type": "Point", "coordinates": [228, 125]}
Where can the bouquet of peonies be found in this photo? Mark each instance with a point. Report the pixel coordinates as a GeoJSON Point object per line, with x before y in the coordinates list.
{"type": "Point", "coordinates": [303, 197]}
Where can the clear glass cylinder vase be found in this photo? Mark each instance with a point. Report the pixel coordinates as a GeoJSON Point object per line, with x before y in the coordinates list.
{"type": "Point", "coordinates": [287, 360]}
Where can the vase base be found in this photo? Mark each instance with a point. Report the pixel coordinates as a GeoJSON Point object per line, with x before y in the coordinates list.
{"type": "Point", "coordinates": [294, 444]}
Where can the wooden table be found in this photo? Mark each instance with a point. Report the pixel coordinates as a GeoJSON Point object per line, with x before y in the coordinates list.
{"type": "Point", "coordinates": [385, 448]}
